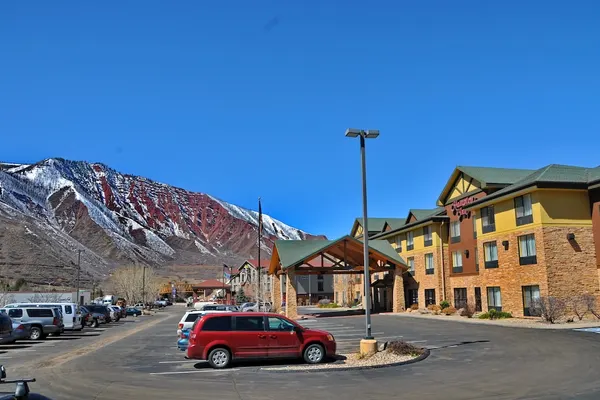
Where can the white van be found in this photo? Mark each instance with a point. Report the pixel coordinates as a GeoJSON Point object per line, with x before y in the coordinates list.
{"type": "Point", "coordinates": [199, 305]}
{"type": "Point", "coordinates": [70, 311]}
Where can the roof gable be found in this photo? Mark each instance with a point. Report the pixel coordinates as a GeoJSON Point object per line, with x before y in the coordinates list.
{"type": "Point", "coordinates": [466, 179]}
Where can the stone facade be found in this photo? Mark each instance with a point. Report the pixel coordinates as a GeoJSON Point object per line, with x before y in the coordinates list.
{"type": "Point", "coordinates": [276, 292]}
{"type": "Point", "coordinates": [291, 301]}
{"type": "Point", "coordinates": [420, 280]}
{"type": "Point", "coordinates": [398, 295]}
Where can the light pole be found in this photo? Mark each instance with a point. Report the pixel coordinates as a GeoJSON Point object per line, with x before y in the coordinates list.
{"type": "Point", "coordinates": [144, 285]}
{"type": "Point", "coordinates": [78, 274]}
{"type": "Point", "coordinates": [368, 134]}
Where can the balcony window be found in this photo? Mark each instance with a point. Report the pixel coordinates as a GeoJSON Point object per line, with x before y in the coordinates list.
{"type": "Point", "coordinates": [455, 231]}
{"type": "Point", "coordinates": [457, 262]}
{"type": "Point", "coordinates": [530, 295]}
{"type": "Point", "coordinates": [429, 297]}
{"type": "Point", "coordinates": [398, 241]}
{"type": "Point", "coordinates": [410, 261]}
{"type": "Point", "coordinates": [476, 259]}
{"type": "Point", "coordinates": [523, 210]}
{"type": "Point", "coordinates": [488, 220]}
{"type": "Point", "coordinates": [460, 298]}
{"type": "Point", "coordinates": [527, 253]}
{"type": "Point", "coordinates": [474, 218]}
{"type": "Point", "coordinates": [410, 238]}
{"type": "Point", "coordinates": [490, 251]}
{"type": "Point", "coordinates": [427, 237]}
{"type": "Point", "coordinates": [429, 268]}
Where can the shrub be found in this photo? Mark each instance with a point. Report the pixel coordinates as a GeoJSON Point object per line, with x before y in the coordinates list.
{"type": "Point", "coordinates": [590, 304]}
{"type": "Point", "coordinates": [550, 308]}
{"type": "Point", "coordinates": [328, 305]}
{"type": "Point", "coordinates": [401, 348]}
{"type": "Point", "coordinates": [444, 304]}
{"type": "Point", "coordinates": [493, 314]}
{"type": "Point", "coordinates": [468, 311]}
{"type": "Point", "coordinates": [448, 310]}
{"type": "Point", "coordinates": [579, 306]}
{"type": "Point", "coordinates": [434, 307]}
{"type": "Point", "coordinates": [324, 301]}
{"type": "Point", "coordinates": [414, 307]}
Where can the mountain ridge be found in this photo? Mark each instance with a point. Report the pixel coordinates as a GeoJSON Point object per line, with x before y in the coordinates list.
{"type": "Point", "coordinates": [123, 219]}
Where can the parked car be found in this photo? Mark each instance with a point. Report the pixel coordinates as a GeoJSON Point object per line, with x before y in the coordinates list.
{"type": "Point", "coordinates": [115, 313]}
{"type": "Point", "coordinates": [69, 311]}
{"type": "Point", "coordinates": [21, 331]}
{"type": "Point", "coordinates": [264, 307]}
{"type": "Point", "coordinates": [92, 318]}
{"type": "Point", "coordinates": [220, 307]}
{"type": "Point", "coordinates": [97, 308]}
{"type": "Point", "coordinates": [188, 319]}
{"type": "Point", "coordinates": [182, 343]}
{"type": "Point", "coordinates": [6, 328]}
{"type": "Point", "coordinates": [136, 312]}
{"type": "Point", "coordinates": [43, 320]}
{"type": "Point", "coordinates": [222, 338]}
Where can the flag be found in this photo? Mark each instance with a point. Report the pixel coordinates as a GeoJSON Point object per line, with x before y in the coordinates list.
{"type": "Point", "coordinates": [260, 221]}
{"type": "Point", "coordinates": [226, 275]}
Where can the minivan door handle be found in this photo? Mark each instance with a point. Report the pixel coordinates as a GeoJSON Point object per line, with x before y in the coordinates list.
{"type": "Point", "coordinates": [273, 336]}
{"type": "Point", "coordinates": [262, 336]}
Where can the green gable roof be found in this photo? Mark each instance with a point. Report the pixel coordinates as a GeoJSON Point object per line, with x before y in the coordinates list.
{"type": "Point", "coordinates": [291, 252]}
{"type": "Point", "coordinates": [395, 223]}
{"type": "Point", "coordinates": [421, 214]}
{"type": "Point", "coordinates": [553, 175]}
{"type": "Point", "coordinates": [500, 176]}
{"type": "Point", "coordinates": [374, 224]}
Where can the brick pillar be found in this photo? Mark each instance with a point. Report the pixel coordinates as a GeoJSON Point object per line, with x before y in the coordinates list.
{"type": "Point", "coordinates": [276, 297]}
{"type": "Point", "coordinates": [291, 305]}
{"type": "Point", "coordinates": [398, 305]}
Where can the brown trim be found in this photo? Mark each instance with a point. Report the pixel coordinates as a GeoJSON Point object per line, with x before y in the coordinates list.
{"type": "Point", "coordinates": [452, 275]}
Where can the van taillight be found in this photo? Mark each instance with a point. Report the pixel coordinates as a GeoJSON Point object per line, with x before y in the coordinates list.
{"type": "Point", "coordinates": [180, 326]}
{"type": "Point", "coordinates": [55, 321]}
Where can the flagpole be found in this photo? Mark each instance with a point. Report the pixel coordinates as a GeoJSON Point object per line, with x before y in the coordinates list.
{"type": "Point", "coordinates": [259, 240]}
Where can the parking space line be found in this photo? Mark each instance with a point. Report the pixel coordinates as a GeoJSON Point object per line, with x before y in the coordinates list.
{"type": "Point", "coordinates": [181, 362]}
{"type": "Point", "coordinates": [357, 334]}
{"type": "Point", "coordinates": [377, 338]}
{"type": "Point", "coordinates": [194, 372]}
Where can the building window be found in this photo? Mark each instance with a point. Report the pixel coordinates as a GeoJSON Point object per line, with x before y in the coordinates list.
{"type": "Point", "coordinates": [460, 298]}
{"type": "Point", "coordinates": [523, 210]}
{"type": "Point", "coordinates": [530, 295]}
{"type": "Point", "coordinates": [427, 237]}
{"type": "Point", "coordinates": [413, 297]}
{"type": "Point", "coordinates": [455, 231]}
{"type": "Point", "coordinates": [488, 220]}
{"type": "Point", "coordinates": [494, 298]}
{"type": "Point", "coordinates": [429, 297]}
{"type": "Point", "coordinates": [456, 261]}
{"type": "Point", "coordinates": [477, 299]}
{"type": "Point", "coordinates": [474, 218]}
{"type": "Point", "coordinates": [410, 261]}
{"type": "Point", "coordinates": [398, 241]}
{"type": "Point", "coordinates": [429, 268]}
{"type": "Point", "coordinates": [320, 283]}
{"type": "Point", "coordinates": [490, 253]}
{"type": "Point", "coordinates": [410, 237]}
{"type": "Point", "coordinates": [527, 254]}
{"type": "Point", "coordinates": [476, 259]}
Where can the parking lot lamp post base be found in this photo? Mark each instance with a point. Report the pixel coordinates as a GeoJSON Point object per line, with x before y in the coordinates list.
{"type": "Point", "coordinates": [368, 346]}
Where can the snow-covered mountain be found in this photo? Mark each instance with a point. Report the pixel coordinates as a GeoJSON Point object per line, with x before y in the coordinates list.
{"type": "Point", "coordinates": [118, 219]}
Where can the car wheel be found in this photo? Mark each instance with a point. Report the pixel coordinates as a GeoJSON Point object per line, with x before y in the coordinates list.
{"type": "Point", "coordinates": [219, 358]}
{"type": "Point", "coordinates": [95, 323]}
{"type": "Point", "coordinates": [314, 354]}
{"type": "Point", "coordinates": [35, 333]}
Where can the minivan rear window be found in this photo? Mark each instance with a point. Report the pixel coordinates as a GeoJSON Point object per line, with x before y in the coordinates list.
{"type": "Point", "coordinates": [40, 312]}
{"type": "Point", "coordinates": [217, 324]}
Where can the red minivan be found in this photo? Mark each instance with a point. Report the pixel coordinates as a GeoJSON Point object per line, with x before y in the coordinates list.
{"type": "Point", "coordinates": [223, 337]}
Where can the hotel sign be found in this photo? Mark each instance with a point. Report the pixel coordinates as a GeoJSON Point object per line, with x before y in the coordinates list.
{"type": "Point", "coordinates": [458, 207]}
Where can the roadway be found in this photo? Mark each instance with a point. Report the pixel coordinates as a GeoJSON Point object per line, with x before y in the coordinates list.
{"type": "Point", "coordinates": [467, 362]}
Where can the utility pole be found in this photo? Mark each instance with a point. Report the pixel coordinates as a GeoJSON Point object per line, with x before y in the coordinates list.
{"type": "Point", "coordinates": [78, 274]}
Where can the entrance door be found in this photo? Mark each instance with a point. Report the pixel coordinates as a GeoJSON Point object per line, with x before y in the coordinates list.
{"type": "Point", "coordinates": [530, 295]}
{"type": "Point", "coordinates": [413, 297]}
{"type": "Point", "coordinates": [477, 299]}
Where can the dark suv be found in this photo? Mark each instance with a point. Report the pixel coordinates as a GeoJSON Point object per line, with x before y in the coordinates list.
{"type": "Point", "coordinates": [96, 308]}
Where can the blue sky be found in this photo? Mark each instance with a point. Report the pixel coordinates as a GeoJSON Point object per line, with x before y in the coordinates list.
{"type": "Point", "coordinates": [242, 99]}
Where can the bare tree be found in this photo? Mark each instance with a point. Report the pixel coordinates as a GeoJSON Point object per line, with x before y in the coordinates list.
{"type": "Point", "coordinates": [589, 301]}
{"type": "Point", "coordinates": [550, 308]}
{"type": "Point", "coordinates": [469, 309]}
{"type": "Point", "coordinates": [579, 306]}
{"type": "Point", "coordinates": [129, 283]}
{"type": "Point", "coordinates": [46, 298]}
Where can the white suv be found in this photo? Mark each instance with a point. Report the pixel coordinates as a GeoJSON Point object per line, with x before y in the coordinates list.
{"type": "Point", "coordinates": [188, 319]}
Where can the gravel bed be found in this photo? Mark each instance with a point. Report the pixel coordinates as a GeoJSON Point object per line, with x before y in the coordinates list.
{"type": "Point", "coordinates": [345, 361]}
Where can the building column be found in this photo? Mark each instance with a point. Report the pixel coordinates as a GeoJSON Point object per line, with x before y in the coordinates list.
{"type": "Point", "coordinates": [291, 296]}
{"type": "Point", "coordinates": [276, 297]}
{"type": "Point", "coordinates": [398, 304]}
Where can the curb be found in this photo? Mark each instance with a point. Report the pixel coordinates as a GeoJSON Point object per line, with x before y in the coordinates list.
{"type": "Point", "coordinates": [423, 356]}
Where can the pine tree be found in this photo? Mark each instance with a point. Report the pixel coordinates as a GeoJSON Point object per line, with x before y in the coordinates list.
{"type": "Point", "coordinates": [240, 297]}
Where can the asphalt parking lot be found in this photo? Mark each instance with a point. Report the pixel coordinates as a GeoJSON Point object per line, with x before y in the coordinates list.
{"type": "Point", "coordinates": [467, 362]}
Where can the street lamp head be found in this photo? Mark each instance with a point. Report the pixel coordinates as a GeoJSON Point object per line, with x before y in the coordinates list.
{"type": "Point", "coordinates": [372, 133]}
{"type": "Point", "coordinates": [351, 132]}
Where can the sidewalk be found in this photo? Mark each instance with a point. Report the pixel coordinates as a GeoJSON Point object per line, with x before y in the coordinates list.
{"type": "Point", "coordinates": [534, 323]}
